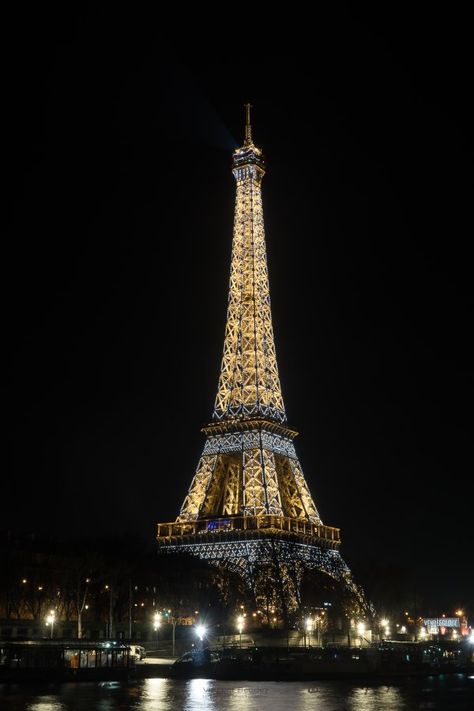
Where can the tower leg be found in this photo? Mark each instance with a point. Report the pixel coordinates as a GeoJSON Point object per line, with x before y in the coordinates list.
{"type": "Point", "coordinates": [273, 570]}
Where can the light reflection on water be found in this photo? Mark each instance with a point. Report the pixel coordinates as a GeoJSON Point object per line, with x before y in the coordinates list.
{"type": "Point", "coordinates": [47, 703]}
{"type": "Point", "coordinates": [209, 695]}
{"type": "Point", "coordinates": [373, 699]}
{"type": "Point", "coordinates": [448, 694]}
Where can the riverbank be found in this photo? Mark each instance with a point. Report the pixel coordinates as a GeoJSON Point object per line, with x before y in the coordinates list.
{"type": "Point", "coordinates": [58, 663]}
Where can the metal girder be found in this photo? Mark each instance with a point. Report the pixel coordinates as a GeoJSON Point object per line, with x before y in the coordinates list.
{"type": "Point", "coordinates": [247, 557]}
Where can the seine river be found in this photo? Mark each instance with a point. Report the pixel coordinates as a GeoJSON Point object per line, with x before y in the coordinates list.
{"type": "Point", "coordinates": [449, 693]}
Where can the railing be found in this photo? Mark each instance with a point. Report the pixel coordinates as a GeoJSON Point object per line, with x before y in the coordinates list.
{"type": "Point", "coordinates": [247, 523]}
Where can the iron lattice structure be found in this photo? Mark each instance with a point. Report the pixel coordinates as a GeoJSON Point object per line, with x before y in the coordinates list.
{"type": "Point", "coordinates": [249, 505]}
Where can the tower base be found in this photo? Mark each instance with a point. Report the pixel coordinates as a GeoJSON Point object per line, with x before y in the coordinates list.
{"type": "Point", "coordinates": [271, 561]}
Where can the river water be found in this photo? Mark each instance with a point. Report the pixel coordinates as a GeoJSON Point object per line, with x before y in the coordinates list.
{"type": "Point", "coordinates": [446, 693]}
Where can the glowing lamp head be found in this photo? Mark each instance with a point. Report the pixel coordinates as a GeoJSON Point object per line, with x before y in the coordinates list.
{"type": "Point", "coordinates": [201, 631]}
{"type": "Point", "coordinates": [157, 620]}
{"type": "Point", "coordinates": [360, 627]}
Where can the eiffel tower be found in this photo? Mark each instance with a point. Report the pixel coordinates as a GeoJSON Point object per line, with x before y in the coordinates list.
{"type": "Point", "coordinates": [249, 508]}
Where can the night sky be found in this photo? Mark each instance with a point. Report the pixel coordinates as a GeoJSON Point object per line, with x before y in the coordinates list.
{"type": "Point", "coordinates": [116, 254]}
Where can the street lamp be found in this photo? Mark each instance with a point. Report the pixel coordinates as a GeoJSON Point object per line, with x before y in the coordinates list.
{"type": "Point", "coordinates": [385, 623]}
{"type": "Point", "coordinates": [201, 631]}
{"type": "Point", "coordinates": [173, 622]}
{"type": "Point", "coordinates": [240, 627]}
{"type": "Point", "coordinates": [309, 627]}
{"type": "Point", "coordinates": [50, 621]}
{"type": "Point", "coordinates": [156, 620]}
{"type": "Point", "coordinates": [361, 630]}
{"type": "Point", "coordinates": [110, 588]}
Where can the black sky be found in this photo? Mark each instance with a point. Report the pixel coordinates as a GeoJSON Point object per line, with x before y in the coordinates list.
{"type": "Point", "coordinates": [116, 252]}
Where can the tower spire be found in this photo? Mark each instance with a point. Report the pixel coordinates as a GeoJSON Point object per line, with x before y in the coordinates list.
{"type": "Point", "coordinates": [249, 384]}
{"type": "Point", "coordinates": [248, 126]}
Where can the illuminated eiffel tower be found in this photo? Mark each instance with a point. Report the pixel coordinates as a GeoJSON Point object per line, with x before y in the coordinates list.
{"type": "Point", "coordinates": [249, 507]}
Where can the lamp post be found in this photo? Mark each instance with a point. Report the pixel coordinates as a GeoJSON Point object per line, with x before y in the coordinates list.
{"type": "Point", "coordinates": [309, 627]}
{"type": "Point", "coordinates": [201, 633]}
{"type": "Point", "coordinates": [386, 627]}
{"type": "Point", "coordinates": [156, 621]}
{"type": "Point", "coordinates": [318, 623]}
{"type": "Point", "coordinates": [361, 630]}
{"type": "Point", "coordinates": [50, 621]}
{"type": "Point", "coordinates": [174, 622]}
{"type": "Point", "coordinates": [460, 614]}
{"type": "Point", "coordinates": [111, 611]}
{"type": "Point", "coordinates": [240, 627]}
{"type": "Point", "coordinates": [130, 600]}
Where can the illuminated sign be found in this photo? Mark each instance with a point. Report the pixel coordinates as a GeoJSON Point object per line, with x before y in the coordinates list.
{"type": "Point", "coordinates": [220, 523]}
{"type": "Point", "coordinates": [442, 622]}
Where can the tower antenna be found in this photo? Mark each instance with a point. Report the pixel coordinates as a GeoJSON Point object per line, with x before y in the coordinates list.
{"type": "Point", "coordinates": [248, 127]}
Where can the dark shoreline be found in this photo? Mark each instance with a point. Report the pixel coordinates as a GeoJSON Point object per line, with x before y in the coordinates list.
{"type": "Point", "coordinates": [377, 664]}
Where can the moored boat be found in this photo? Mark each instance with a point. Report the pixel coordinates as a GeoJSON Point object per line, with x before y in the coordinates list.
{"type": "Point", "coordinates": [296, 663]}
{"type": "Point", "coordinates": [64, 661]}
